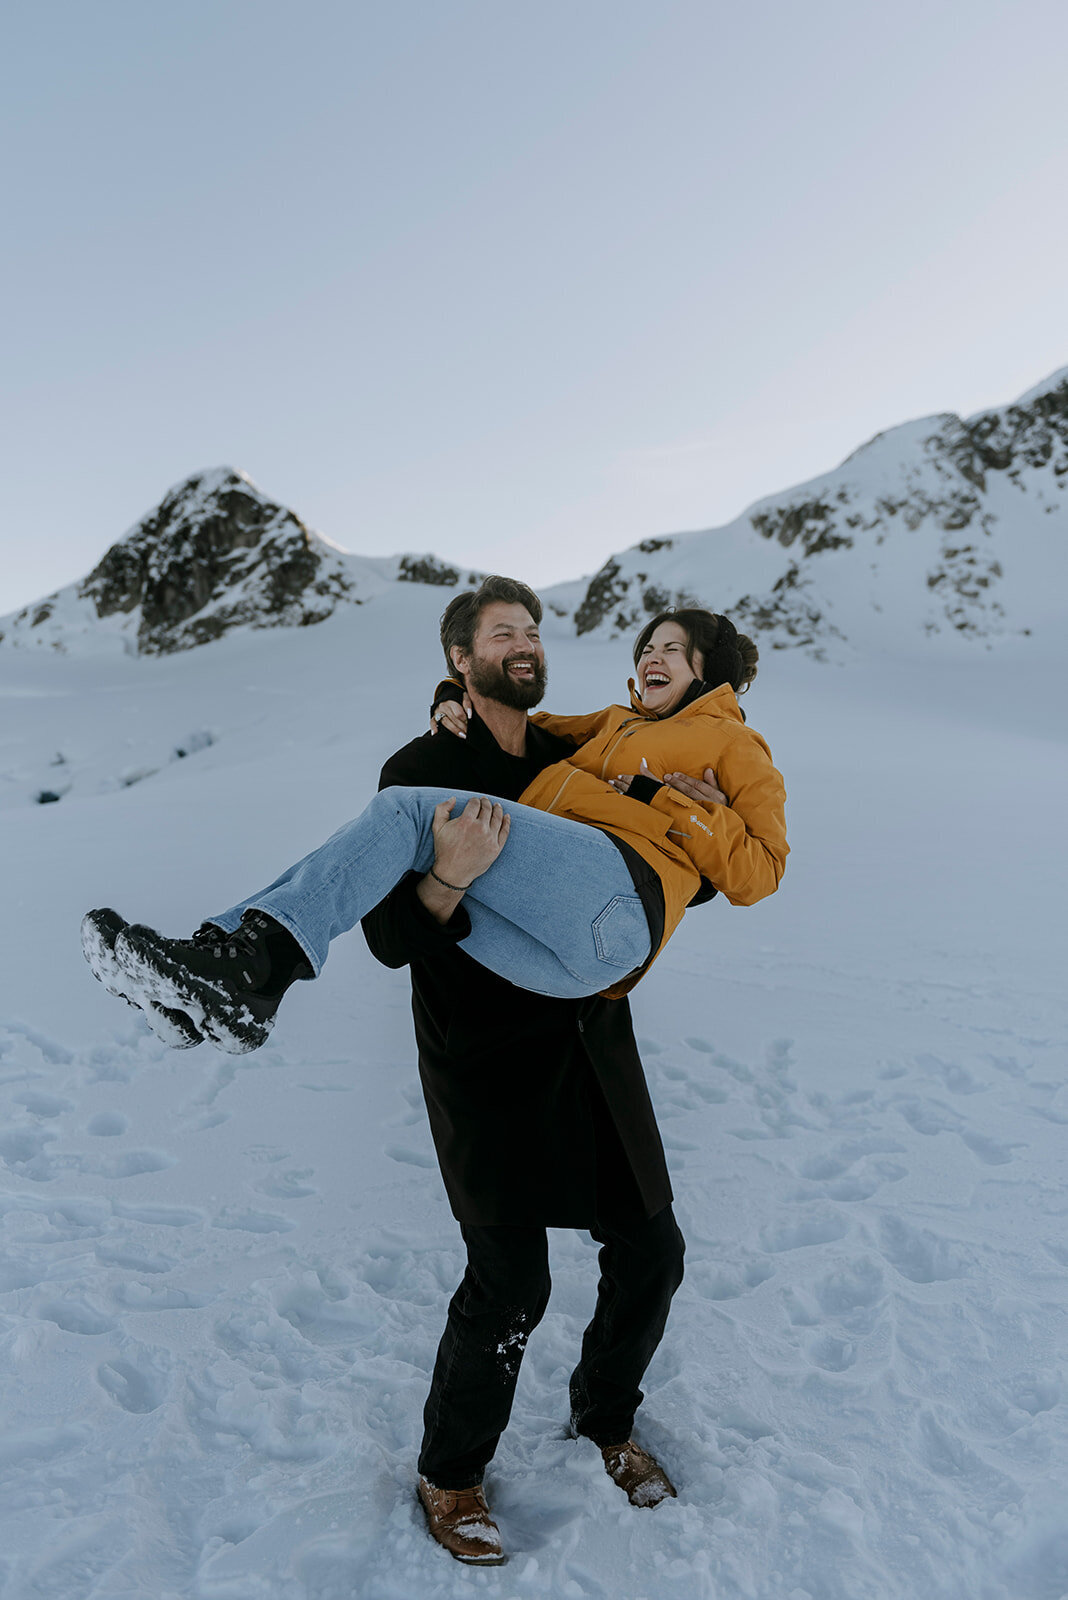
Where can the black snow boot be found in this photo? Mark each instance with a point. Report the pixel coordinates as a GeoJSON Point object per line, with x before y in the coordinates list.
{"type": "Point", "coordinates": [230, 984]}
{"type": "Point", "coordinates": [100, 929]}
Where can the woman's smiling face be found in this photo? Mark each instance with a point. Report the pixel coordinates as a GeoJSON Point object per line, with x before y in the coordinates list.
{"type": "Point", "coordinates": [664, 674]}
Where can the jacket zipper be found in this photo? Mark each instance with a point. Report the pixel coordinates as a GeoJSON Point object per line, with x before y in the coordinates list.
{"type": "Point", "coordinates": [552, 803]}
{"type": "Point", "coordinates": [619, 737]}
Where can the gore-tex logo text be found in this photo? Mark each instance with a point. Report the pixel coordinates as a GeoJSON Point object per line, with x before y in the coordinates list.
{"type": "Point", "coordinates": [699, 824]}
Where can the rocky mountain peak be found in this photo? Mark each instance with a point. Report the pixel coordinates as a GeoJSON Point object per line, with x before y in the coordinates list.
{"type": "Point", "coordinates": [215, 552]}
{"type": "Point", "coordinates": [214, 555]}
{"type": "Point", "coordinates": [946, 526]}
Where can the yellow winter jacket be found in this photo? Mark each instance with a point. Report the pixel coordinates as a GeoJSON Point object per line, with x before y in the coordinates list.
{"type": "Point", "coordinates": [740, 847]}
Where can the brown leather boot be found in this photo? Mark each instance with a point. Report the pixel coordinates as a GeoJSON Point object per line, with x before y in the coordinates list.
{"type": "Point", "coordinates": [642, 1479]}
{"type": "Point", "coordinates": [459, 1519]}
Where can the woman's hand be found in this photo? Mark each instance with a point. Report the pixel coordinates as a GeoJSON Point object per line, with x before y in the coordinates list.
{"type": "Point", "coordinates": [452, 715]}
{"type": "Point", "coordinates": [704, 790]}
{"type": "Point", "coordinates": [622, 781]}
{"type": "Point", "coordinates": [466, 845]}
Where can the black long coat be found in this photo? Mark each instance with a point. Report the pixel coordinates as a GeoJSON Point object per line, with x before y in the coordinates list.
{"type": "Point", "coordinates": [538, 1107]}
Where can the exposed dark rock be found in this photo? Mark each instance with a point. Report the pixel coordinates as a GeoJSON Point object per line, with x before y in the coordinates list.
{"type": "Point", "coordinates": [1033, 435]}
{"type": "Point", "coordinates": [428, 569]}
{"type": "Point", "coordinates": [811, 521]}
{"type": "Point", "coordinates": [602, 594]}
{"type": "Point", "coordinates": [214, 554]}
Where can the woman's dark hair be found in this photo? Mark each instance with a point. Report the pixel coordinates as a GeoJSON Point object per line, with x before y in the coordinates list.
{"type": "Point", "coordinates": [459, 622]}
{"type": "Point", "coordinates": [727, 656]}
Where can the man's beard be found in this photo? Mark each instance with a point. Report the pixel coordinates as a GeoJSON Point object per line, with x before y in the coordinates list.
{"type": "Point", "coordinates": [493, 680]}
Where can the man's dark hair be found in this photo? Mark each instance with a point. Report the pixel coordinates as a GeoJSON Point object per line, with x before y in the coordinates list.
{"type": "Point", "coordinates": [459, 621]}
{"type": "Point", "coordinates": [727, 655]}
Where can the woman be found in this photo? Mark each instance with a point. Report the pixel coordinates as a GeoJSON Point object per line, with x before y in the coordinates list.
{"type": "Point", "coordinates": [599, 867]}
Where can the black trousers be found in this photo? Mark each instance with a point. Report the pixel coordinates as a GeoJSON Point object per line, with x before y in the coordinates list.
{"type": "Point", "coordinates": [502, 1298]}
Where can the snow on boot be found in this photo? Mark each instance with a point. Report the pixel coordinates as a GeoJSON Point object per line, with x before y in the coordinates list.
{"type": "Point", "coordinates": [100, 929]}
{"type": "Point", "coordinates": [459, 1519]}
{"type": "Point", "coordinates": [224, 983]}
{"type": "Point", "coordinates": [640, 1476]}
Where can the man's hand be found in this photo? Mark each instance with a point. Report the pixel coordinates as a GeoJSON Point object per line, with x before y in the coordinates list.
{"type": "Point", "coordinates": [466, 845]}
{"type": "Point", "coordinates": [705, 791]}
{"type": "Point", "coordinates": [453, 716]}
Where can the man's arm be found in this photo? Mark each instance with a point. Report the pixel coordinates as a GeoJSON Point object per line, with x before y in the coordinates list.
{"type": "Point", "coordinates": [420, 917]}
{"type": "Point", "coordinates": [400, 929]}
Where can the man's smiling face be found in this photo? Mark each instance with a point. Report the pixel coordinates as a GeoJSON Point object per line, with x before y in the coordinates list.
{"type": "Point", "coordinates": [507, 661]}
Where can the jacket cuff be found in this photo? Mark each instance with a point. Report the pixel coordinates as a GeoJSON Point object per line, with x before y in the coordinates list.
{"type": "Point", "coordinates": [458, 926]}
{"type": "Point", "coordinates": [447, 689]}
{"type": "Point", "coordinates": [644, 788]}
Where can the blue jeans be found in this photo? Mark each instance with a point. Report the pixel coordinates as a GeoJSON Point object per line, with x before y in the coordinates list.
{"type": "Point", "coordinates": [557, 912]}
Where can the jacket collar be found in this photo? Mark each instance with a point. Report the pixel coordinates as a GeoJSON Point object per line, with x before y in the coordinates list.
{"type": "Point", "coordinates": [720, 702]}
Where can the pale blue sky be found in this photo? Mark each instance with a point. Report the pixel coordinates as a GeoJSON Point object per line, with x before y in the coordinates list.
{"type": "Point", "coordinates": [518, 283]}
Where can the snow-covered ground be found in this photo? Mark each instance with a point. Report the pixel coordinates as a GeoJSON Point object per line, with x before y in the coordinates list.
{"type": "Point", "coordinates": [222, 1280]}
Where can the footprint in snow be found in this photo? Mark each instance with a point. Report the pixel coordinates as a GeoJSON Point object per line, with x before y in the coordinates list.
{"type": "Point", "coordinates": [831, 1353]}
{"type": "Point", "coordinates": [836, 1162]}
{"type": "Point", "coordinates": [159, 1297]}
{"type": "Point", "coordinates": [324, 1319]}
{"type": "Point", "coordinates": [41, 1445]}
{"type": "Point", "coordinates": [16, 1036]}
{"type": "Point", "coordinates": [679, 1091]}
{"type": "Point", "coordinates": [266, 1154]}
{"type": "Point", "coordinates": [107, 1124]}
{"type": "Point", "coordinates": [73, 1219]}
{"type": "Point", "coordinates": [1035, 1392]}
{"type": "Point", "coordinates": [957, 1079]}
{"type": "Point", "coordinates": [130, 1164]}
{"type": "Point", "coordinates": [210, 1119]}
{"type": "Point", "coordinates": [161, 1216]}
{"type": "Point", "coordinates": [927, 1117]}
{"type": "Point", "coordinates": [735, 1069]}
{"type": "Point", "coordinates": [137, 1387]}
{"type": "Point", "coordinates": [918, 1254]}
{"type": "Point", "coordinates": [18, 1273]}
{"type": "Point", "coordinates": [23, 1150]}
{"type": "Point", "coordinates": [852, 1292]}
{"type": "Point", "coordinates": [75, 1316]}
{"type": "Point", "coordinates": [42, 1105]}
{"type": "Point", "coordinates": [287, 1185]}
{"type": "Point", "coordinates": [262, 1342]}
{"type": "Point", "coordinates": [777, 1239]}
{"type": "Point", "coordinates": [727, 1282]}
{"type": "Point", "coordinates": [119, 1253]}
{"type": "Point", "coordinates": [992, 1152]}
{"type": "Point", "coordinates": [851, 1189]}
{"type": "Point", "coordinates": [409, 1157]}
{"type": "Point", "coordinates": [412, 1095]}
{"type": "Point", "coordinates": [253, 1221]}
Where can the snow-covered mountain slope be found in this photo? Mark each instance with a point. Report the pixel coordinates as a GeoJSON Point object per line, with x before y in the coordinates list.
{"type": "Point", "coordinates": [214, 555]}
{"type": "Point", "coordinates": [222, 1280]}
{"type": "Point", "coordinates": [939, 530]}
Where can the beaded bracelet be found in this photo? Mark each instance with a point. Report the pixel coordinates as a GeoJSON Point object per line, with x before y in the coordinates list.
{"type": "Point", "coordinates": [457, 888]}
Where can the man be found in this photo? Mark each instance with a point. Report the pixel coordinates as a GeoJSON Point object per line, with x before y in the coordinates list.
{"type": "Point", "coordinates": [538, 1107]}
